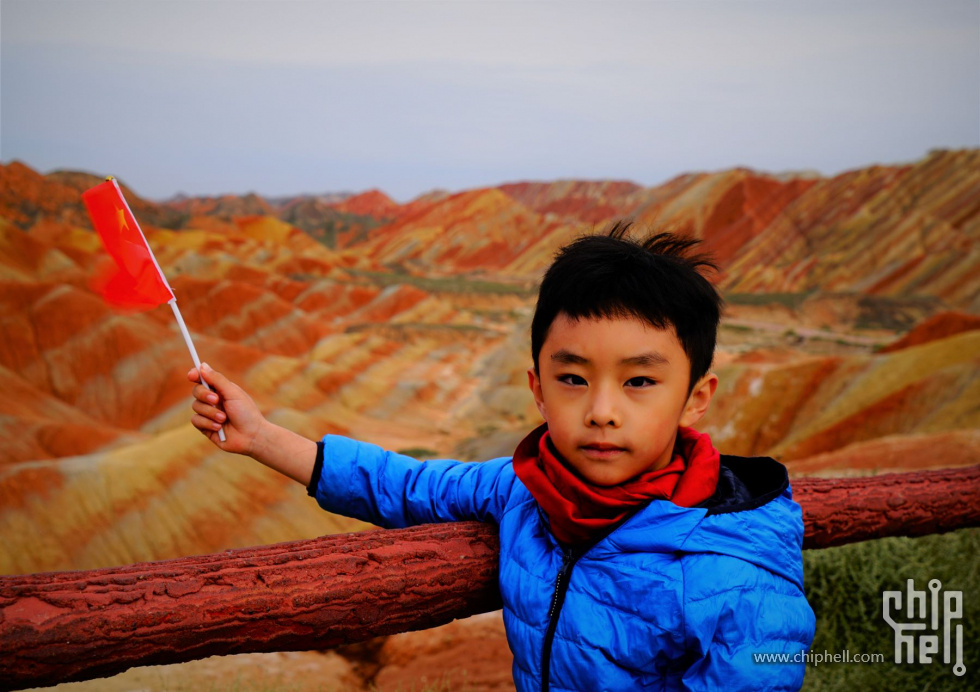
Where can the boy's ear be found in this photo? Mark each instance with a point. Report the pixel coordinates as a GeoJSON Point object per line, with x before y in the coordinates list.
{"type": "Point", "coordinates": [534, 382]}
{"type": "Point", "coordinates": [697, 404]}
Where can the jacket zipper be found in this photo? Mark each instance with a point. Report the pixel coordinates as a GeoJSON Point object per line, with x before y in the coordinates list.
{"type": "Point", "coordinates": [569, 557]}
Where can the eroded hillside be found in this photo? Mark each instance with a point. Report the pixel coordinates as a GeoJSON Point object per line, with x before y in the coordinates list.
{"type": "Point", "coordinates": [406, 325]}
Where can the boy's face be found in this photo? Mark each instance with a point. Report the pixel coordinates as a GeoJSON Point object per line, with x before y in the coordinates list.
{"type": "Point", "coordinates": [613, 392]}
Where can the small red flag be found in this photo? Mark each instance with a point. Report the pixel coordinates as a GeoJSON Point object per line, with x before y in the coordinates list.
{"type": "Point", "coordinates": [134, 280]}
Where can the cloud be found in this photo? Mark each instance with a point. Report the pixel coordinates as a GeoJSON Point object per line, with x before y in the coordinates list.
{"type": "Point", "coordinates": [214, 96]}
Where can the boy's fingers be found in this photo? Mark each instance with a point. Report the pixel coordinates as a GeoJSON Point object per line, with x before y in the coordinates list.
{"type": "Point", "coordinates": [204, 424]}
{"type": "Point", "coordinates": [222, 384]}
{"type": "Point", "coordinates": [202, 393]}
{"type": "Point", "coordinates": [208, 411]}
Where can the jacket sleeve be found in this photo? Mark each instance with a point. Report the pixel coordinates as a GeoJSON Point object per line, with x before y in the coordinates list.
{"type": "Point", "coordinates": [748, 637]}
{"type": "Point", "coordinates": [365, 482]}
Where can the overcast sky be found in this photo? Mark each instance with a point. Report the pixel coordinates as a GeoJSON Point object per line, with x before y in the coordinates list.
{"type": "Point", "coordinates": [284, 97]}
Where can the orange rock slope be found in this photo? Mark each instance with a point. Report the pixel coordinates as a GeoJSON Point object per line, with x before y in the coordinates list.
{"type": "Point", "coordinates": [406, 325]}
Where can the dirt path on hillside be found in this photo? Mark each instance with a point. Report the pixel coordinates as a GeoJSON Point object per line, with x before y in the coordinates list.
{"type": "Point", "coordinates": [804, 332]}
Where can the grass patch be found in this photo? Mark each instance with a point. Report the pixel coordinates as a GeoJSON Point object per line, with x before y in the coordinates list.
{"type": "Point", "coordinates": [741, 328]}
{"type": "Point", "coordinates": [421, 327]}
{"type": "Point", "coordinates": [789, 300]}
{"type": "Point", "coordinates": [446, 284]}
{"type": "Point", "coordinates": [420, 453]}
{"type": "Point", "coordinates": [443, 683]}
{"type": "Point", "coordinates": [844, 586]}
{"type": "Point", "coordinates": [895, 314]}
{"type": "Point", "coordinates": [324, 225]}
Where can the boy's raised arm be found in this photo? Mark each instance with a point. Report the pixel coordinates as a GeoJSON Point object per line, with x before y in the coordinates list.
{"type": "Point", "coordinates": [246, 429]}
{"type": "Point", "coordinates": [359, 480]}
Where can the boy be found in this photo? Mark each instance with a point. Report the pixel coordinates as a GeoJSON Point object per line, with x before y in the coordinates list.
{"type": "Point", "coordinates": [632, 555]}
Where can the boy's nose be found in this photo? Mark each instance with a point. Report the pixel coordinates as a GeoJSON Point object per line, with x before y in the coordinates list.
{"type": "Point", "coordinates": [602, 412]}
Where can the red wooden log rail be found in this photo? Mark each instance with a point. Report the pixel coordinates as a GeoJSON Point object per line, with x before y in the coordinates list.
{"type": "Point", "coordinates": [317, 594]}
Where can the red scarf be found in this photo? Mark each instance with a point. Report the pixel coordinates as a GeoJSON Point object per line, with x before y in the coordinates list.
{"type": "Point", "coordinates": [578, 510]}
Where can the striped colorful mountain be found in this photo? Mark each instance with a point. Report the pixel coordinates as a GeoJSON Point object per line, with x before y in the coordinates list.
{"type": "Point", "coordinates": [406, 325]}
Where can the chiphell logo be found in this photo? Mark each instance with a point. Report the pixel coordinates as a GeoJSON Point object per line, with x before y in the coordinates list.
{"type": "Point", "coordinates": [926, 621]}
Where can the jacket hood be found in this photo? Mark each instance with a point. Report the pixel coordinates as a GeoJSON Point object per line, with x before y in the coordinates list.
{"type": "Point", "coordinates": [771, 537]}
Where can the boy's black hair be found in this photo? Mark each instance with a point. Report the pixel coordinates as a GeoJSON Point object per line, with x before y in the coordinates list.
{"type": "Point", "coordinates": [655, 280]}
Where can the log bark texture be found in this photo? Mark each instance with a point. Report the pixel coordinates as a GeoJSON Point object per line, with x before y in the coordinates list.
{"type": "Point", "coordinates": [846, 510]}
{"type": "Point", "coordinates": [64, 626]}
{"type": "Point", "coordinates": [318, 594]}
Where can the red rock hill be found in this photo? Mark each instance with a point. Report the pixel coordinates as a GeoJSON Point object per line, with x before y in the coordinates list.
{"type": "Point", "coordinates": [412, 333]}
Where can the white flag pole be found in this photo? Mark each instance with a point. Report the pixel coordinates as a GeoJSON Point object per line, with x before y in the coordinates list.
{"type": "Point", "coordinates": [190, 347]}
{"type": "Point", "coordinates": [173, 300]}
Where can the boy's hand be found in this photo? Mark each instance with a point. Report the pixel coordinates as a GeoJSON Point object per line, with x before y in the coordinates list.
{"type": "Point", "coordinates": [246, 429]}
{"type": "Point", "coordinates": [228, 406]}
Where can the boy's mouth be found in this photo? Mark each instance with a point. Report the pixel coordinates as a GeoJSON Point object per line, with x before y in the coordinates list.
{"type": "Point", "coordinates": [601, 449]}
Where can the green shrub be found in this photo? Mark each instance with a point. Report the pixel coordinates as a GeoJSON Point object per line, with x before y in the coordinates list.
{"type": "Point", "coordinates": [790, 300]}
{"type": "Point", "coordinates": [845, 586]}
{"type": "Point", "coordinates": [420, 453]}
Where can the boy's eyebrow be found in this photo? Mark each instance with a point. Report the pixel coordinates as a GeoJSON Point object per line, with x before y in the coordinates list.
{"type": "Point", "coordinates": [652, 358]}
{"type": "Point", "coordinates": [569, 358]}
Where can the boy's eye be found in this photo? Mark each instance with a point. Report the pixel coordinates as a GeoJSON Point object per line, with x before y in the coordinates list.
{"type": "Point", "coordinates": [640, 382]}
{"type": "Point", "coordinates": [576, 380]}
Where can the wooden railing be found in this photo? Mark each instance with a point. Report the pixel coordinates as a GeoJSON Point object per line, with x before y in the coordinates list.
{"type": "Point", "coordinates": [63, 626]}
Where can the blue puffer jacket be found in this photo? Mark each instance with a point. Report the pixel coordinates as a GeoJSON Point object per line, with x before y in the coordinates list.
{"type": "Point", "coordinates": [672, 598]}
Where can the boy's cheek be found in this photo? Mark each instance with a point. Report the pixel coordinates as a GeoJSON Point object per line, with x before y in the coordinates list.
{"type": "Point", "coordinates": [534, 384]}
{"type": "Point", "coordinates": [542, 411]}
